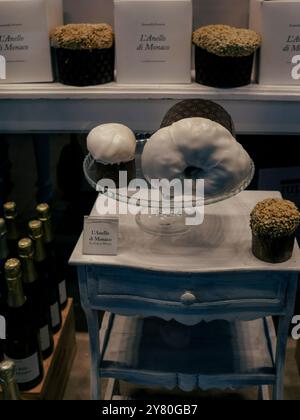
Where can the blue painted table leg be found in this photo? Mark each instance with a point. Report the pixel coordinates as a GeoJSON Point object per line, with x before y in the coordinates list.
{"type": "Point", "coordinates": [93, 326]}
{"type": "Point", "coordinates": [282, 341]}
{"type": "Point", "coordinates": [92, 317]}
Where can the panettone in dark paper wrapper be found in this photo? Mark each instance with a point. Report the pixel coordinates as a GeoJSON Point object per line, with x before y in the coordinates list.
{"type": "Point", "coordinates": [84, 54]}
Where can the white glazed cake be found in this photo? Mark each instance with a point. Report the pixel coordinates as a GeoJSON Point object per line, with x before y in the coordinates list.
{"type": "Point", "coordinates": [112, 144]}
{"type": "Point", "coordinates": [197, 148]}
{"type": "Point", "coordinates": [112, 147]}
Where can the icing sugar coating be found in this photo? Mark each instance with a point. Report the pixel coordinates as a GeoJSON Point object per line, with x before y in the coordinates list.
{"type": "Point", "coordinates": [197, 148]}
{"type": "Point", "coordinates": [112, 144]}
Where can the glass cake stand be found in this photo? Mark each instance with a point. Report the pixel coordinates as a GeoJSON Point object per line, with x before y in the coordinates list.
{"type": "Point", "coordinates": [153, 217]}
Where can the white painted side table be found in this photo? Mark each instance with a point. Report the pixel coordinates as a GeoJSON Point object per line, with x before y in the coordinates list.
{"type": "Point", "coordinates": [209, 274]}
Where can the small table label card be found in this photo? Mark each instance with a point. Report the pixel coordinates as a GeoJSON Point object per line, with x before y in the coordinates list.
{"type": "Point", "coordinates": [100, 235]}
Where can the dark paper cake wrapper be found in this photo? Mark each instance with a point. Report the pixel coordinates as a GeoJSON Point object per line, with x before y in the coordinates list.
{"type": "Point", "coordinates": [273, 250]}
{"type": "Point", "coordinates": [112, 171]}
{"type": "Point", "coordinates": [199, 108]}
{"type": "Point", "coordinates": [84, 67]}
{"type": "Point", "coordinates": [222, 72]}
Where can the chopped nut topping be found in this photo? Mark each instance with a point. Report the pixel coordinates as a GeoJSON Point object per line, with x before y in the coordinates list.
{"type": "Point", "coordinates": [227, 41]}
{"type": "Point", "coordinates": [275, 218]}
{"type": "Point", "coordinates": [83, 36]}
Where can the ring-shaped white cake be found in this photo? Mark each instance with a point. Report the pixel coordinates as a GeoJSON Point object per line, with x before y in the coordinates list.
{"type": "Point", "coordinates": [197, 148]}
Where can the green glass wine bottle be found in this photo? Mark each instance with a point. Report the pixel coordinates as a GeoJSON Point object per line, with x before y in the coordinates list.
{"type": "Point", "coordinates": [13, 234]}
{"type": "Point", "coordinates": [44, 215]}
{"type": "Point", "coordinates": [36, 293]}
{"type": "Point", "coordinates": [22, 340]}
{"type": "Point", "coordinates": [3, 288]}
{"type": "Point", "coordinates": [43, 266]}
{"type": "Point", "coordinates": [3, 257]}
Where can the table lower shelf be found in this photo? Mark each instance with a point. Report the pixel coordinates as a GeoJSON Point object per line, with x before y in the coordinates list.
{"type": "Point", "coordinates": [219, 354]}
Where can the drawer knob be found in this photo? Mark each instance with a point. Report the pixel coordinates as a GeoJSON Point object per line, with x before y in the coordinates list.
{"type": "Point", "coordinates": [188, 298]}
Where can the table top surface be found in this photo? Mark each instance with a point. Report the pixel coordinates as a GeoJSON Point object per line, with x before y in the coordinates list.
{"type": "Point", "coordinates": [221, 244]}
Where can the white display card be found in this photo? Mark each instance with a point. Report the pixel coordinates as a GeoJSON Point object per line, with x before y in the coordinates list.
{"type": "Point", "coordinates": [100, 235]}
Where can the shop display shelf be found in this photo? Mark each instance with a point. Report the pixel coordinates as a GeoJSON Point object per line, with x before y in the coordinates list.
{"type": "Point", "coordinates": [219, 354]}
{"type": "Point", "coordinates": [253, 92]}
{"type": "Point", "coordinates": [52, 107]}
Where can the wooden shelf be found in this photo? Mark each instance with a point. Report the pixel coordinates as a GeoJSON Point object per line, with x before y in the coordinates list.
{"type": "Point", "coordinates": [58, 366]}
{"type": "Point", "coordinates": [219, 354]}
{"type": "Point", "coordinates": [52, 107]}
{"type": "Point", "coordinates": [114, 90]}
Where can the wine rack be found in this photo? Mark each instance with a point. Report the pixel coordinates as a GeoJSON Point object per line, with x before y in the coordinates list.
{"type": "Point", "coordinates": [58, 366]}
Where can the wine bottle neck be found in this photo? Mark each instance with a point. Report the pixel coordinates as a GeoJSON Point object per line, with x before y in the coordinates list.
{"type": "Point", "coordinates": [40, 252]}
{"type": "Point", "coordinates": [15, 293]}
{"type": "Point", "coordinates": [3, 247]}
{"type": "Point", "coordinates": [11, 390]}
{"type": "Point", "coordinates": [12, 229]}
{"type": "Point", "coordinates": [8, 380]}
{"type": "Point", "coordinates": [47, 228]}
{"type": "Point", "coordinates": [28, 270]}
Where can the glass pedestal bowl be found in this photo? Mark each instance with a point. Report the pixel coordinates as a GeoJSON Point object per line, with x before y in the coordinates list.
{"type": "Point", "coordinates": [152, 214]}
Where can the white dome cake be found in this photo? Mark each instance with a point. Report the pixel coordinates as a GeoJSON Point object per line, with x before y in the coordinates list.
{"type": "Point", "coordinates": [112, 144]}
{"type": "Point", "coordinates": [197, 148]}
{"type": "Point", "coordinates": [112, 147]}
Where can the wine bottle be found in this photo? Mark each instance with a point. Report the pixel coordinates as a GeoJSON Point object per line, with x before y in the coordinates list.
{"type": "Point", "coordinates": [3, 289]}
{"type": "Point", "coordinates": [22, 340]}
{"type": "Point", "coordinates": [37, 297]}
{"type": "Point", "coordinates": [10, 216]}
{"type": "Point", "coordinates": [44, 270]}
{"type": "Point", "coordinates": [44, 215]}
{"type": "Point", "coordinates": [8, 381]}
{"type": "Point", "coordinates": [3, 258]}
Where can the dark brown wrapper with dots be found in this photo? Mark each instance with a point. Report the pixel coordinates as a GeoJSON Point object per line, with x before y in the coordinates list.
{"type": "Point", "coordinates": [199, 108]}
{"type": "Point", "coordinates": [85, 67]}
{"type": "Point", "coordinates": [223, 72]}
{"type": "Point", "coordinates": [273, 250]}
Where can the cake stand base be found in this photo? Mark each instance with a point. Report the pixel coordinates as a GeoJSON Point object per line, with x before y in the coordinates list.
{"type": "Point", "coordinates": [163, 225]}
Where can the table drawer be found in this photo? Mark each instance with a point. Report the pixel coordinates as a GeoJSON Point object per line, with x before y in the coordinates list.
{"type": "Point", "coordinates": [188, 290]}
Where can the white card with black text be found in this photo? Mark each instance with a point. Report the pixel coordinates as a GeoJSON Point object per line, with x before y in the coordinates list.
{"type": "Point", "coordinates": [100, 235]}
